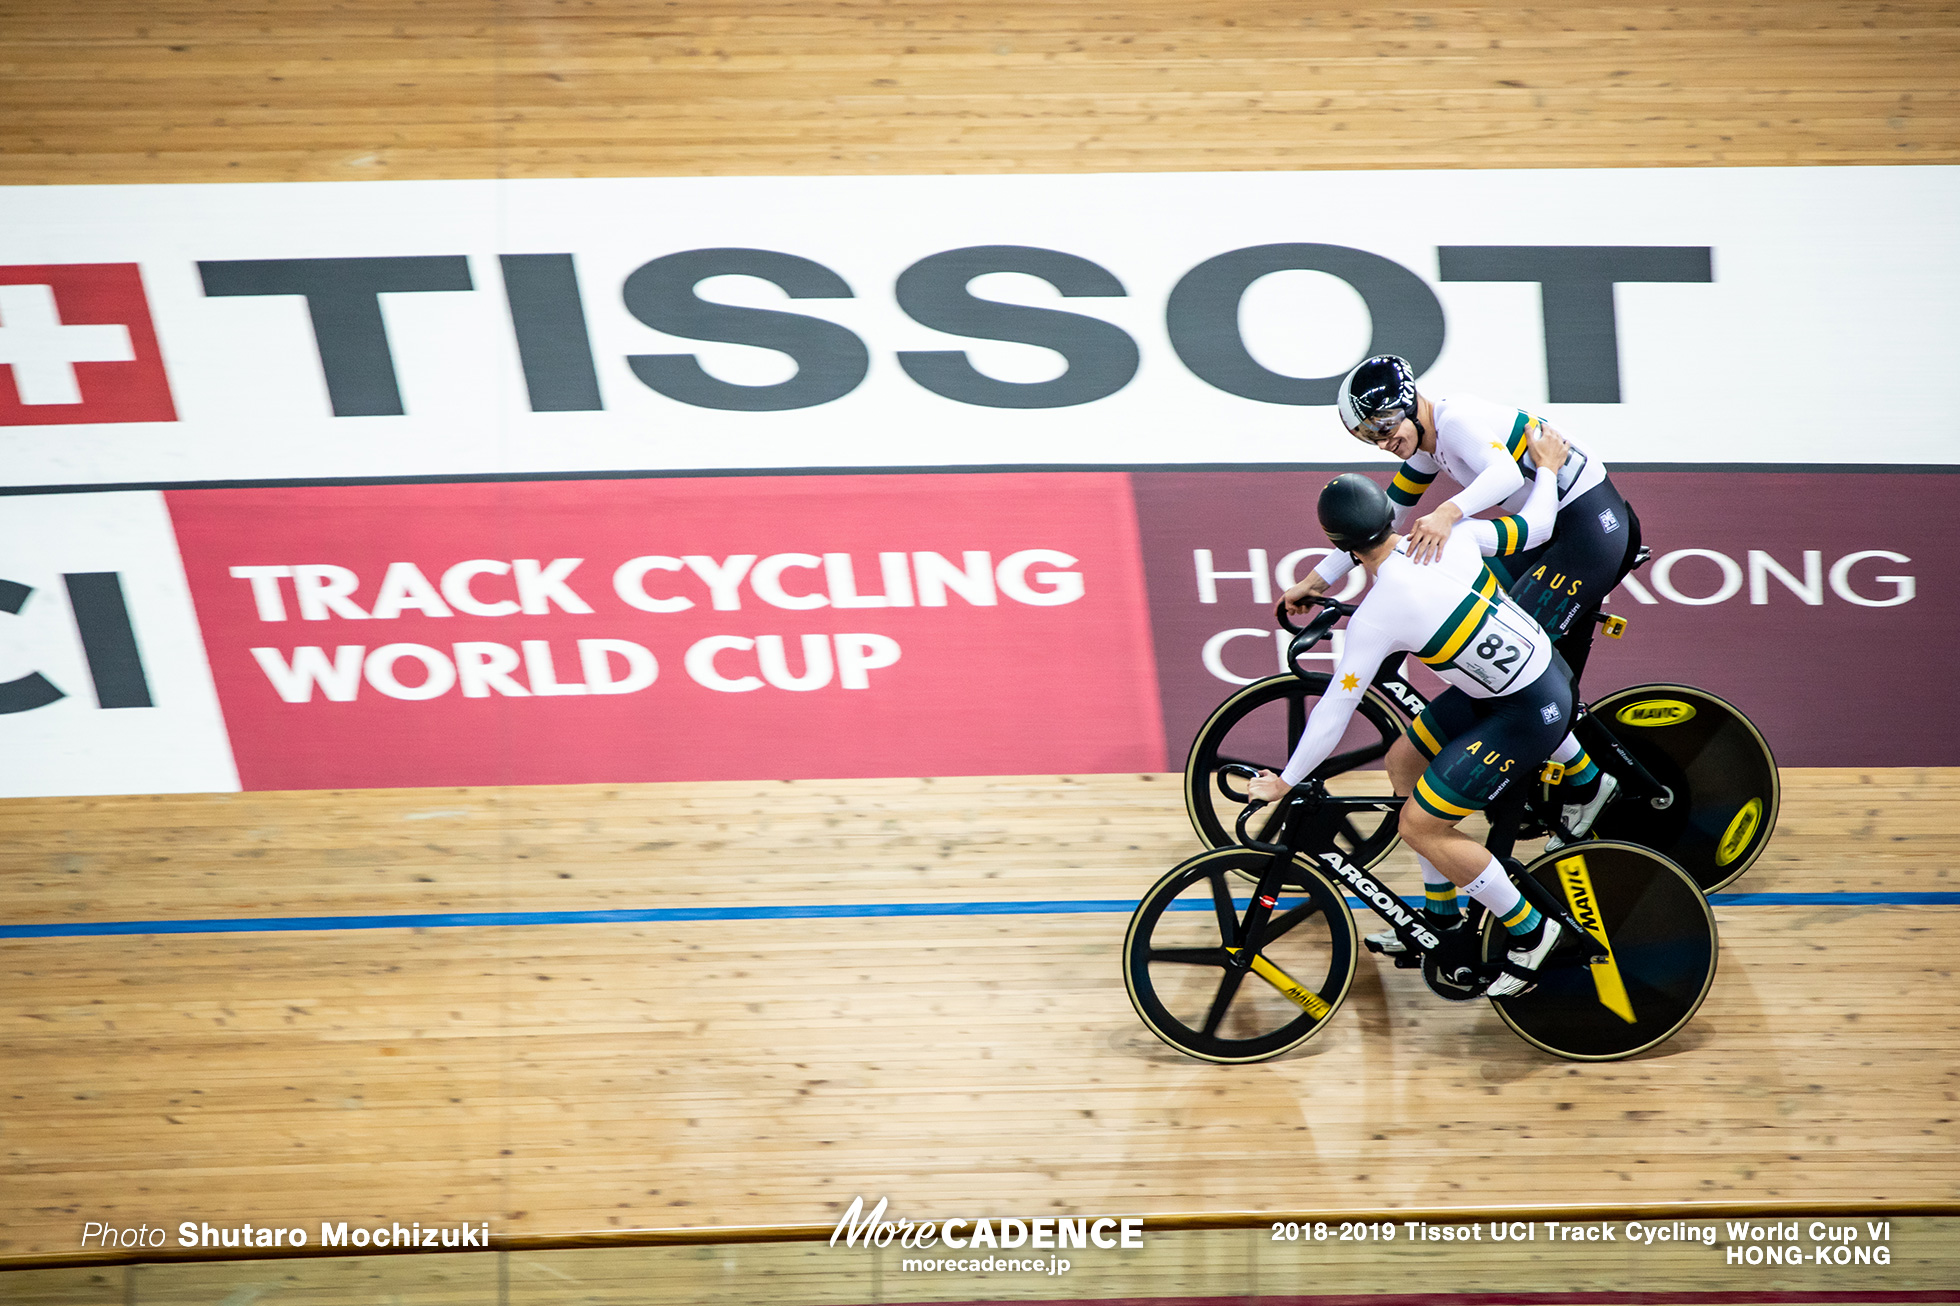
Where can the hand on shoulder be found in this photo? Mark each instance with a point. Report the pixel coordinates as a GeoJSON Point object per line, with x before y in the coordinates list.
{"type": "Point", "coordinates": [1548, 447]}
{"type": "Point", "coordinates": [1431, 532]}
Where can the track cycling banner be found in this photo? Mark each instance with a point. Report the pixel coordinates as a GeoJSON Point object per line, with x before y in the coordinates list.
{"type": "Point", "coordinates": [785, 627]}
{"type": "Point", "coordinates": [1807, 599]}
{"type": "Point", "coordinates": [168, 335]}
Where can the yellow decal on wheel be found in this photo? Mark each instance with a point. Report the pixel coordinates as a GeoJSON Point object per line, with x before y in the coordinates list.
{"type": "Point", "coordinates": [1299, 994]}
{"type": "Point", "coordinates": [1606, 979]}
{"type": "Point", "coordinates": [1741, 830]}
{"type": "Point", "coordinates": [1655, 712]}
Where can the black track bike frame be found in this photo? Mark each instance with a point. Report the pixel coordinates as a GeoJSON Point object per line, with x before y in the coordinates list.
{"type": "Point", "coordinates": [1310, 798]}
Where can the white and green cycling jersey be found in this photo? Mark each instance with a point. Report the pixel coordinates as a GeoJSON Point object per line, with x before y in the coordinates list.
{"type": "Point", "coordinates": [1450, 613]}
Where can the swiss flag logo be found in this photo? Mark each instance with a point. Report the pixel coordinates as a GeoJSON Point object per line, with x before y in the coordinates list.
{"type": "Point", "coordinates": [76, 345]}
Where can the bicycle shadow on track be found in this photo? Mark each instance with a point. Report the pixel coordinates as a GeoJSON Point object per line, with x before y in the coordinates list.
{"type": "Point", "coordinates": [1720, 1028]}
{"type": "Point", "coordinates": [1266, 1135]}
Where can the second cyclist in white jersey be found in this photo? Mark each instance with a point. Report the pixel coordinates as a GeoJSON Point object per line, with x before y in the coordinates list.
{"type": "Point", "coordinates": [1484, 447]}
{"type": "Point", "coordinates": [1509, 701]}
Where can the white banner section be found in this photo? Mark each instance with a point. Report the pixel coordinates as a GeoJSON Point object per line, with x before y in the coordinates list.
{"type": "Point", "coordinates": [181, 334]}
{"type": "Point", "coordinates": [104, 686]}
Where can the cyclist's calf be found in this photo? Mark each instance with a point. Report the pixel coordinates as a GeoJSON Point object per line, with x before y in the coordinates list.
{"type": "Point", "coordinates": [1460, 858]}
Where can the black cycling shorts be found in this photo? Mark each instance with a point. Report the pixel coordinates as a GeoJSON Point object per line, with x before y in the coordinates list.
{"type": "Point", "coordinates": [1477, 746]}
{"type": "Point", "coordinates": [1568, 577]}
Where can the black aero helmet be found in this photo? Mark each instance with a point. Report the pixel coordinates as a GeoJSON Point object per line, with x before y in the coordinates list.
{"type": "Point", "coordinates": [1354, 512]}
{"type": "Point", "coordinates": [1376, 396]}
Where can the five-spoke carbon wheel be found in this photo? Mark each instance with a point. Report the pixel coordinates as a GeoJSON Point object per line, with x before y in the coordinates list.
{"type": "Point", "coordinates": [1258, 726]}
{"type": "Point", "coordinates": [1200, 988]}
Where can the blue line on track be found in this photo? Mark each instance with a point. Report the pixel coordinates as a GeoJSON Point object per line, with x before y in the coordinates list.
{"type": "Point", "coordinates": [813, 911]}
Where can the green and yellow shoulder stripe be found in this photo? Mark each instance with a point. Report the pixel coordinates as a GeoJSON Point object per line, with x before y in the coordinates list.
{"type": "Point", "coordinates": [1514, 443]}
{"type": "Point", "coordinates": [1463, 623]}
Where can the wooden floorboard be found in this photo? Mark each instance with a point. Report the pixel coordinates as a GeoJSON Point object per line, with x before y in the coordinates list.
{"type": "Point", "coordinates": [619, 1075]}
{"type": "Point", "coordinates": [359, 89]}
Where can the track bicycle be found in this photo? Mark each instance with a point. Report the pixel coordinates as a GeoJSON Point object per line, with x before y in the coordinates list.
{"type": "Point", "coordinates": [1698, 782]}
{"type": "Point", "coordinates": [1235, 980]}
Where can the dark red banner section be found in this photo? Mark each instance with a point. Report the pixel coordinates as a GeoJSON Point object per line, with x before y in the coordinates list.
{"type": "Point", "coordinates": [1824, 604]}
{"type": "Point", "coordinates": [686, 629]}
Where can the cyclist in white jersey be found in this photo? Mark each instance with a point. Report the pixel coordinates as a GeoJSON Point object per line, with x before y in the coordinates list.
{"type": "Point", "coordinates": [1484, 448]}
{"type": "Point", "coordinates": [1508, 705]}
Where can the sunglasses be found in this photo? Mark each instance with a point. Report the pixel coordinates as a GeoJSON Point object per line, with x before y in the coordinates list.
{"type": "Point", "coordinates": [1376, 429]}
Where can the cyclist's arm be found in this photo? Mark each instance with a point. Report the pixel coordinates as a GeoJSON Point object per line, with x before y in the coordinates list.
{"type": "Point", "coordinates": [1330, 569]}
{"type": "Point", "coordinates": [1299, 592]}
{"type": "Point", "coordinates": [1362, 654]}
{"type": "Point", "coordinates": [1406, 490]}
{"type": "Point", "coordinates": [1533, 525]}
{"type": "Point", "coordinates": [1496, 480]}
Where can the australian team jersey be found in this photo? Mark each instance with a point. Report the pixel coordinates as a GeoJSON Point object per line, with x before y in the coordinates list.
{"type": "Point", "coordinates": [1450, 613]}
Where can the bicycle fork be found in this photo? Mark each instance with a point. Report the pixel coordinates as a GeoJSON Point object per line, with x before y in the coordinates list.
{"type": "Point", "coordinates": [1246, 957]}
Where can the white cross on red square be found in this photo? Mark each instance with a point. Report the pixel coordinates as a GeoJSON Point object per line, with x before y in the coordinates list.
{"type": "Point", "coordinates": [77, 346]}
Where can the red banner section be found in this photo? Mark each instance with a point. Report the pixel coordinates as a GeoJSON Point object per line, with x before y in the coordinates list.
{"type": "Point", "coordinates": [622, 630]}
{"type": "Point", "coordinates": [1822, 604]}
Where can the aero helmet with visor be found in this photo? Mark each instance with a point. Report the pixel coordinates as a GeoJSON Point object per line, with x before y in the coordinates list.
{"type": "Point", "coordinates": [1376, 396]}
{"type": "Point", "coordinates": [1354, 512]}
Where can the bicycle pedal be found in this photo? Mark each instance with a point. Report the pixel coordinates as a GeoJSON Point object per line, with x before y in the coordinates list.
{"type": "Point", "coordinates": [1407, 961]}
{"type": "Point", "coordinates": [1614, 627]}
{"type": "Point", "coordinates": [1373, 947]}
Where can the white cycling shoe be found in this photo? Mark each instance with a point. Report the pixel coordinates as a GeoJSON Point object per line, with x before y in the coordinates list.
{"type": "Point", "coordinates": [1387, 942]}
{"type": "Point", "coordinates": [1579, 817]}
{"type": "Point", "coordinates": [1505, 986]}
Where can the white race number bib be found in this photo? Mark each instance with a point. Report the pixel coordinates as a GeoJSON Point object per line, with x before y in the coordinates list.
{"type": "Point", "coordinates": [1497, 654]}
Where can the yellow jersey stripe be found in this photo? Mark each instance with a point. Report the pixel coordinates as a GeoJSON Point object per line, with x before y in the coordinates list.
{"type": "Point", "coordinates": [1461, 635]}
{"type": "Point", "coordinates": [1426, 738]}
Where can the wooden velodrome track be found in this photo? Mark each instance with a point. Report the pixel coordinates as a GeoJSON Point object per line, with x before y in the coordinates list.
{"type": "Point", "coordinates": [549, 1077]}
